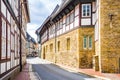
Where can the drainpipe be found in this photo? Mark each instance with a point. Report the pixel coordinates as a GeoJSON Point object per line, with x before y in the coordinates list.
{"type": "Point", "coordinates": [20, 20]}
{"type": "Point", "coordinates": [55, 41]}
{"type": "Point", "coordinates": [19, 13]}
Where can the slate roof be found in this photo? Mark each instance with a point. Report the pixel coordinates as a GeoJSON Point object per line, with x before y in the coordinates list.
{"type": "Point", "coordinates": [30, 39]}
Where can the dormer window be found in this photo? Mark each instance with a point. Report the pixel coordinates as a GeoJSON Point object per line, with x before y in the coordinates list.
{"type": "Point", "coordinates": [86, 10]}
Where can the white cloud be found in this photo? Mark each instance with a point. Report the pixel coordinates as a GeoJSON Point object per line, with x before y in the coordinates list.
{"type": "Point", "coordinates": [31, 28]}
{"type": "Point", "coordinates": [50, 4]}
{"type": "Point", "coordinates": [39, 11]}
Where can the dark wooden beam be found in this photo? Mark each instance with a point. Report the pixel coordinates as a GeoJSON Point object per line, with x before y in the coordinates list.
{"type": "Point", "coordinates": [0, 32]}
{"type": "Point", "coordinates": [86, 1]}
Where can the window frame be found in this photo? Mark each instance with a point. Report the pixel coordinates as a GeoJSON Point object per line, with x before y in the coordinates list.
{"type": "Point", "coordinates": [72, 17]}
{"type": "Point", "coordinates": [3, 39]}
{"type": "Point", "coordinates": [90, 38]}
{"type": "Point", "coordinates": [85, 42]}
{"type": "Point", "coordinates": [67, 20]}
{"type": "Point", "coordinates": [86, 12]}
{"type": "Point", "coordinates": [61, 24]}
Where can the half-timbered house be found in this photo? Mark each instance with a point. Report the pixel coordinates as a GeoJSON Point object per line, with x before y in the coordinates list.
{"type": "Point", "coordinates": [14, 15]}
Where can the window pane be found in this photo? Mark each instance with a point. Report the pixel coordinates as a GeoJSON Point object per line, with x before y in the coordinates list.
{"type": "Point", "coordinates": [12, 42]}
{"type": "Point", "coordinates": [61, 23]}
{"type": "Point", "coordinates": [3, 48]}
{"type": "Point", "coordinates": [67, 20]}
{"type": "Point", "coordinates": [3, 54]}
{"type": "Point", "coordinates": [8, 42]}
{"type": "Point", "coordinates": [85, 42]}
{"type": "Point", "coordinates": [90, 42]}
{"type": "Point", "coordinates": [72, 17]}
{"type": "Point", "coordinates": [86, 10]}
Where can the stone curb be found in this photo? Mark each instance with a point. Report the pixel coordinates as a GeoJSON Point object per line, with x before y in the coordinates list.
{"type": "Point", "coordinates": [75, 70]}
{"type": "Point", "coordinates": [33, 75]}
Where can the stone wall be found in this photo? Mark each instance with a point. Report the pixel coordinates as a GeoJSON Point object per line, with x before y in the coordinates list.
{"type": "Point", "coordinates": [76, 57]}
{"type": "Point", "coordinates": [110, 35]}
{"type": "Point", "coordinates": [63, 56]}
{"type": "Point", "coordinates": [86, 55]}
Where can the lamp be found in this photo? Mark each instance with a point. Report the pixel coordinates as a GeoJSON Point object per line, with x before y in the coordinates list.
{"type": "Point", "coordinates": [110, 16]}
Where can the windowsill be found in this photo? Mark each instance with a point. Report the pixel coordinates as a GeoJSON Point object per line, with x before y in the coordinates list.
{"type": "Point", "coordinates": [90, 48]}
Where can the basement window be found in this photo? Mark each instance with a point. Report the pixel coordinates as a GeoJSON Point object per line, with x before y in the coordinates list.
{"type": "Point", "coordinates": [58, 45]}
{"type": "Point", "coordinates": [51, 47]}
{"type": "Point", "coordinates": [68, 43]}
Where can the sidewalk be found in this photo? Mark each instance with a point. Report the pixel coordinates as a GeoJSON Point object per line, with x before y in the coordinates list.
{"type": "Point", "coordinates": [24, 75]}
{"type": "Point", "coordinates": [106, 76]}
{"type": "Point", "coordinates": [92, 72]}
{"type": "Point", "coordinates": [27, 74]}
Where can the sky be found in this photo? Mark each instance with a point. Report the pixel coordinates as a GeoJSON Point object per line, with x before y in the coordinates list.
{"type": "Point", "coordinates": [39, 11]}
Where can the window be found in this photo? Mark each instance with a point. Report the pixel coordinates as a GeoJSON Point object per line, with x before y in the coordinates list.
{"type": "Point", "coordinates": [86, 10]}
{"type": "Point", "coordinates": [51, 47]}
{"type": "Point", "coordinates": [71, 17]}
{"type": "Point", "coordinates": [68, 43]}
{"type": "Point", "coordinates": [12, 41]}
{"type": "Point", "coordinates": [3, 54]}
{"type": "Point", "coordinates": [58, 25]}
{"type": "Point", "coordinates": [58, 45]}
{"type": "Point", "coordinates": [8, 42]}
{"type": "Point", "coordinates": [68, 20]}
{"type": "Point", "coordinates": [46, 49]}
{"type": "Point", "coordinates": [85, 42]}
{"type": "Point", "coordinates": [3, 8]}
{"type": "Point", "coordinates": [61, 24]}
{"type": "Point", "coordinates": [90, 42]}
{"type": "Point", "coordinates": [15, 45]}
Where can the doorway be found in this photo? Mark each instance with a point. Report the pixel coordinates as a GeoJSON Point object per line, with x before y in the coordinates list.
{"type": "Point", "coordinates": [44, 53]}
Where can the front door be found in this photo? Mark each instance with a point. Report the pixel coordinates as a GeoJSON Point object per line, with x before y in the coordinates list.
{"type": "Point", "coordinates": [44, 53]}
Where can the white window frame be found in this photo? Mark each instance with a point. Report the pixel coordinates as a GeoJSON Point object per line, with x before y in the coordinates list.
{"type": "Point", "coordinates": [86, 10]}
{"type": "Point", "coordinates": [90, 47]}
{"type": "Point", "coordinates": [85, 42]}
{"type": "Point", "coordinates": [3, 52]}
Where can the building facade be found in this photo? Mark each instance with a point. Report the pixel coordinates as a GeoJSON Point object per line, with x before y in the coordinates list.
{"type": "Point", "coordinates": [67, 35]}
{"type": "Point", "coordinates": [83, 34]}
{"type": "Point", "coordinates": [14, 15]}
{"type": "Point", "coordinates": [107, 40]}
{"type": "Point", "coordinates": [31, 45]}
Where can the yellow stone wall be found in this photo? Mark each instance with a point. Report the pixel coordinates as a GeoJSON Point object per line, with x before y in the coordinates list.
{"type": "Point", "coordinates": [86, 55]}
{"type": "Point", "coordinates": [68, 57]}
{"type": "Point", "coordinates": [96, 57]}
{"type": "Point", "coordinates": [46, 53]}
{"type": "Point", "coordinates": [110, 35]}
{"type": "Point", "coordinates": [73, 57]}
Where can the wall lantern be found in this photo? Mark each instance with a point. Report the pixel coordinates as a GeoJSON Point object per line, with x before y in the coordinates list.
{"type": "Point", "coordinates": [110, 16]}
